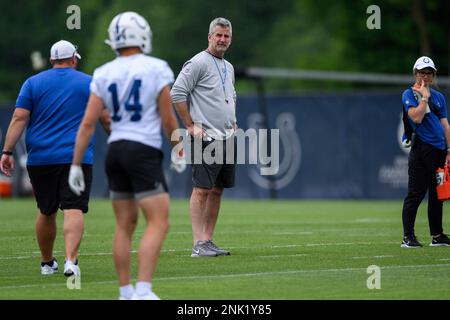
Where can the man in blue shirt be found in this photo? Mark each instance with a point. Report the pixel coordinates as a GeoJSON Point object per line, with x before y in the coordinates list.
{"type": "Point", "coordinates": [427, 114]}
{"type": "Point", "coordinates": [51, 105]}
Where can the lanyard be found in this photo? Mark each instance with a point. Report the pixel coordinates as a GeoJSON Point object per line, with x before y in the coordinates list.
{"type": "Point", "coordinates": [224, 79]}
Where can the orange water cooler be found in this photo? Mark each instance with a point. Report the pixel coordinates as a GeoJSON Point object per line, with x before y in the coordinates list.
{"type": "Point", "coordinates": [6, 186]}
{"type": "Point", "coordinates": [443, 183]}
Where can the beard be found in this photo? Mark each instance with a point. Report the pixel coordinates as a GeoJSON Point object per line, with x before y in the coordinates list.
{"type": "Point", "coordinates": [221, 47]}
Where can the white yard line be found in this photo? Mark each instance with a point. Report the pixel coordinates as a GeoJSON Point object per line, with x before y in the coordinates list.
{"type": "Point", "coordinates": [376, 257]}
{"type": "Point", "coordinates": [284, 255]}
{"type": "Point", "coordinates": [237, 275]}
{"type": "Point", "coordinates": [373, 220]}
{"type": "Point", "coordinates": [291, 233]}
{"type": "Point", "coordinates": [92, 235]}
{"type": "Point", "coordinates": [37, 254]}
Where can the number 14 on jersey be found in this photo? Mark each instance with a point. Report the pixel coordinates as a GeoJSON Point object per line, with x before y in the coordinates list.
{"type": "Point", "coordinates": [132, 103]}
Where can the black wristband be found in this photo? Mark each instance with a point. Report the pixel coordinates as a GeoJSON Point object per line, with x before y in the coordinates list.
{"type": "Point", "coordinates": [8, 153]}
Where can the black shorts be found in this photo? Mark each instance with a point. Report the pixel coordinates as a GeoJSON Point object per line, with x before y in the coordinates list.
{"type": "Point", "coordinates": [205, 175]}
{"type": "Point", "coordinates": [134, 170]}
{"type": "Point", "coordinates": [51, 188]}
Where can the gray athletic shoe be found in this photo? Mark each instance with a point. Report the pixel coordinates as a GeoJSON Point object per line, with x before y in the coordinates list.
{"type": "Point", "coordinates": [213, 247]}
{"type": "Point", "coordinates": [201, 249]}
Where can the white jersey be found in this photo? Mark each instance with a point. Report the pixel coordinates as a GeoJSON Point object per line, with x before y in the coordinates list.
{"type": "Point", "coordinates": [129, 87]}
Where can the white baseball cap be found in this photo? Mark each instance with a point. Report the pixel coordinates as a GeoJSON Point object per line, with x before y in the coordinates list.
{"type": "Point", "coordinates": [424, 62]}
{"type": "Point", "coordinates": [62, 50]}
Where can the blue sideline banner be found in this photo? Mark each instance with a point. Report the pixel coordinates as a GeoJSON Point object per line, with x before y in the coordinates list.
{"type": "Point", "coordinates": [331, 146]}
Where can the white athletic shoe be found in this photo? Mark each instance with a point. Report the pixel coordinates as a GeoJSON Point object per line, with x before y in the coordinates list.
{"type": "Point", "coordinates": [71, 268]}
{"type": "Point", "coordinates": [47, 269]}
{"type": "Point", "coordinates": [150, 296]}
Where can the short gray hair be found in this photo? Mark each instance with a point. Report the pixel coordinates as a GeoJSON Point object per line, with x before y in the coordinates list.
{"type": "Point", "coordinates": [220, 22]}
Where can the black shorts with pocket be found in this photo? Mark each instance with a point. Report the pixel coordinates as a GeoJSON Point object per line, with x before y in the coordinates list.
{"type": "Point", "coordinates": [205, 175]}
{"type": "Point", "coordinates": [134, 170]}
{"type": "Point", "coordinates": [51, 188]}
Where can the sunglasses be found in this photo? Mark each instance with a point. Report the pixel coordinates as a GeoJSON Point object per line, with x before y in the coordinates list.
{"type": "Point", "coordinates": [423, 73]}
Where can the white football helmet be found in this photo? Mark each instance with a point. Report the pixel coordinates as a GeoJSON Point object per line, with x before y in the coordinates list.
{"type": "Point", "coordinates": [129, 29]}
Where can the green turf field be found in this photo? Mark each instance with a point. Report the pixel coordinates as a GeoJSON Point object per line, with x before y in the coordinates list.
{"type": "Point", "coordinates": [280, 250]}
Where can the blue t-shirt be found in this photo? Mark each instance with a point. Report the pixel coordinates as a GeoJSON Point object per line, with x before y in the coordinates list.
{"type": "Point", "coordinates": [56, 99]}
{"type": "Point", "coordinates": [430, 130]}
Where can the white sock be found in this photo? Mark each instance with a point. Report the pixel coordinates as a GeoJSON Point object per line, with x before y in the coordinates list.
{"type": "Point", "coordinates": [143, 288]}
{"type": "Point", "coordinates": [127, 291]}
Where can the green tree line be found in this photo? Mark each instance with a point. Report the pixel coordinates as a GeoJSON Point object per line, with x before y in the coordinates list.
{"type": "Point", "coordinates": [297, 34]}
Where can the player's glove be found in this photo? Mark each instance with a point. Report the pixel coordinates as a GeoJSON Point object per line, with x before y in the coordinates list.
{"type": "Point", "coordinates": [76, 179]}
{"type": "Point", "coordinates": [178, 162]}
{"type": "Point", "coordinates": [406, 143]}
